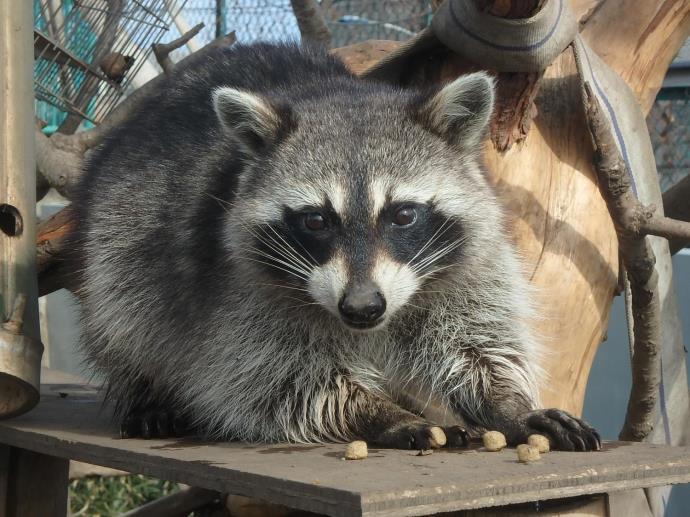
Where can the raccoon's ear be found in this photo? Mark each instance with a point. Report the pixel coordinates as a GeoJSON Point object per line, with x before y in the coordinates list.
{"type": "Point", "coordinates": [460, 112]}
{"type": "Point", "coordinates": [255, 121]}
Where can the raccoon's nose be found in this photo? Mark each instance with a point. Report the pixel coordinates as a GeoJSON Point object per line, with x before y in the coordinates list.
{"type": "Point", "coordinates": [362, 304]}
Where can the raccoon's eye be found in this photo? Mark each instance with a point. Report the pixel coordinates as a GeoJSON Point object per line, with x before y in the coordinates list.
{"type": "Point", "coordinates": [314, 221]}
{"type": "Point", "coordinates": [405, 216]}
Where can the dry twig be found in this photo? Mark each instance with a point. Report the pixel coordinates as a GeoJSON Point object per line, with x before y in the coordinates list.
{"type": "Point", "coordinates": [310, 21]}
{"type": "Point", "coordinates": [162, 50]}
{"type": "Point", "coordinates": [639, 261]}
{"type": "Point", "coordinates": [677, 206]}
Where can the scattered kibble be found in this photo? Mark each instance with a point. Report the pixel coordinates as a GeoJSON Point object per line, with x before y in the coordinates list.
{"type": "Point", "coordinates": [356, 450]}
{"type": "Point", "coordinates": [540, 442]}
{"type": "Point", "coordinates": [438, 438]}
{"type": "Point", "coordinates": [494, 441]}
{"type": "Point", "coordinates": [527, 453]}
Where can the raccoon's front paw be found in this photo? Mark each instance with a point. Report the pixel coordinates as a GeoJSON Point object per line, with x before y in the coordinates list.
{"type": "Point", "coordinates": [153, 423]}
{"type": "Point", "coordinates": [412, 435]}
{"type": "Point", "coordinates": [564, 431]}
{"type": "Point", "coordinates": [456, 436]}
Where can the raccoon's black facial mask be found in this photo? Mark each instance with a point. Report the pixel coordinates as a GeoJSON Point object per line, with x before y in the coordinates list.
{"type": "Point", "coordinates": [424, 237]}
{"type": "Point", "coordinates": [410, 233]}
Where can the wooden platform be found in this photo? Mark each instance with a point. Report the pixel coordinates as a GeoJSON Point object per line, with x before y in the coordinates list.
{"type": "Point", "coordinates": [70, 422]}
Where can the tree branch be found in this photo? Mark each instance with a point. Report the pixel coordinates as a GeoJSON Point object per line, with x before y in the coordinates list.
{"type": "Point", "coordinates": [639, 261]}
{"type": "Point", "coordinates": [311, 23]}
{"type": "Point", "coordinates": [677, 206]}
{"type": "Point", "coordinates": [162, 50]}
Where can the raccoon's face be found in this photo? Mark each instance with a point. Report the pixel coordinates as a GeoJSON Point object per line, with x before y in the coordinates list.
{"type": "Point", "coordinates": [358, 202]}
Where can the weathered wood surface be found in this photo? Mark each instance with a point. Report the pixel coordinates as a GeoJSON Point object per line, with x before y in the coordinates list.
{"type": "Point", "coordinates": [37, 484]}
{"type": "Point", "coordinates": [315, 478]}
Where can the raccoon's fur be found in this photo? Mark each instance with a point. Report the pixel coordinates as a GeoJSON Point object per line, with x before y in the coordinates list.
{"type": "Point", "coordinates": [275, 250]}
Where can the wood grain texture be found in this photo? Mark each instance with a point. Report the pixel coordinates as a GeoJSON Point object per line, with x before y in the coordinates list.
{"type": "Point", "coordinates": [38, 484]}
{"type": "Point", "coordinates": [315, 478]}
{"type": "Point", "coordinates": [639, 40]}
{"type": "Point", "coordinates": [562, 228]}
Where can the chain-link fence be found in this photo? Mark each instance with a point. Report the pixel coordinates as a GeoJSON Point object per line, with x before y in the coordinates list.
{"type": "Point", "coordinates": [669, 127]}
{"type": "Point", "coordinates": [350, 21]}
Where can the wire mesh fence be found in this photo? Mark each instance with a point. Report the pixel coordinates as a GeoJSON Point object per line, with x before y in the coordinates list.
{"type": "Point", "coordinates": [86, 52]}
{"type": "Point", "coordinates": [669, 127]}
{"type": "Point", "coordinates": [350, 21]}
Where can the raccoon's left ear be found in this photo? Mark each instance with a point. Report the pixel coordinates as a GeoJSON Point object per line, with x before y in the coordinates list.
{"type": "Point", "coordinates": [250, 118]}
{"type": "Point", "coordinates": [460, 112]}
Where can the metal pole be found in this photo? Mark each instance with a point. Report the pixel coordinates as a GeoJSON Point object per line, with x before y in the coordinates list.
{"type": "Point", "coordinates": [221, 12]}
{"type": "Point", "coordinates": [20, 347]}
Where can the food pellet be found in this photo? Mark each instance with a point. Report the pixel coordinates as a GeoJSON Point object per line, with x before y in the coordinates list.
{"type": "Point", "coordinates": [494, 441]}
{"type": "Point", "coordinates": [527, 453]}
{"type": "Point", "coordinates": [356, 450]}
{"type": "Point", "coordinates": [540, 442]}
{"type": "Point", "coordinates": [438, 438]}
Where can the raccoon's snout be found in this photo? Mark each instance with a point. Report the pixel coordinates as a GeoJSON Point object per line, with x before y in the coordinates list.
{"type": "Point", "coordinates": [362, 306]}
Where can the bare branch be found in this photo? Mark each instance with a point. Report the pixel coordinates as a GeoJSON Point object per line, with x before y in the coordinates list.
{"type": "Point", "coordinates": [311, 23]}
{"type": "Point", "coordinates": [677, 206]}
{"type": "Point", "coordinates": [639, 261]}
{"type": "Point", "coordinates": [162, 50]}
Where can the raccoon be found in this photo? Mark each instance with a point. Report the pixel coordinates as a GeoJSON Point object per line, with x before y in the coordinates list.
{"type": "Point", "coordinates": [271, 249]}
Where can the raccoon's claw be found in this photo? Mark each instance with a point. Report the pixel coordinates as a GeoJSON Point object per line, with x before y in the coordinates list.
{"type": "Point", "coordinates": [413, 435]}
{"type": "Point", "coordinates": [152, 424]}
{"type": "Point", "coordinates": [564, 431]}
{"type": "Point", "coordinates": [456, 436]}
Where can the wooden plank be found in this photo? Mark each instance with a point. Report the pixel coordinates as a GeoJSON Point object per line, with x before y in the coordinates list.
{"type": "Point", "coordinates": [71, 422]}
{"type": "Point", "coordinates": [38, 484]}
{"type": "Point", "coordinates": [593, 506]}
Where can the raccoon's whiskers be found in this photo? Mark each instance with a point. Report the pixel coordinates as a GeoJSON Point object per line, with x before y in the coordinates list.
{"type": "Point", "coordinates": [294, 250]}
{"type": "Point", "coordinates": [289, 255]}
{"type": "Point", "coordinates": [287, 248]}
{"type": "Point", "coordinates": [276, 267]}
{"type": "Point", "coordinates": [281, 259]}
{"type": "Point", "coordinates": [286, 251]}
{"type": "Point", "coordinates": [431, 274]}
{"type": "Point", "coordinates": [431, 240]}
{"type": "Point", "coordinates": [437, 255]}
{"type": "Point", "coordinates": [294, 288]}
